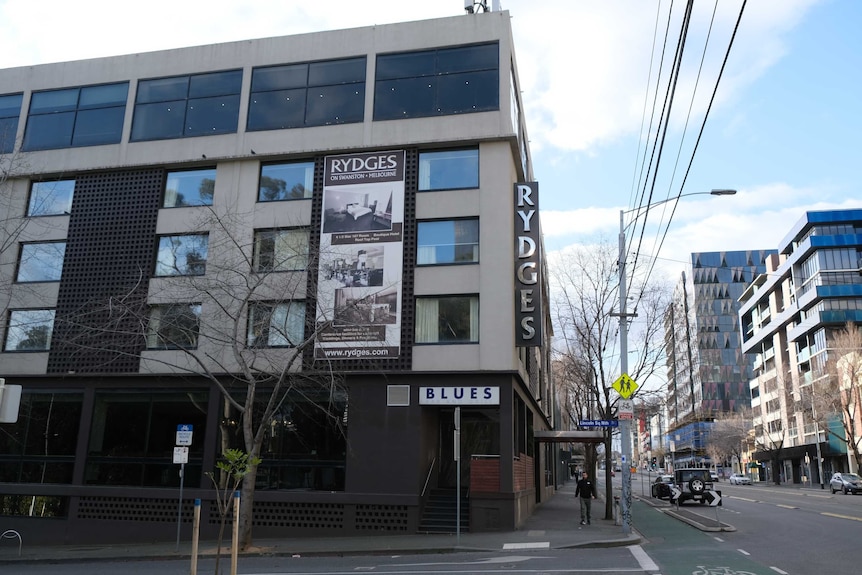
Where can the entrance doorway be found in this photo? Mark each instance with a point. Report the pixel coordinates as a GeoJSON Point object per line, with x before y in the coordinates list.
{"type": "Point", "coordinates": [480, 435]}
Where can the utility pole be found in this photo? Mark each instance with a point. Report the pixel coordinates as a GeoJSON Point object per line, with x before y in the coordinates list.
{"type": "Point", "coordinates": [625, 424]}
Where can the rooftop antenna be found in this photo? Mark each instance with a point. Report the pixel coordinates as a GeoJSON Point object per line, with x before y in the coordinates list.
{"type": "Point", "coordinates": [470, 6]}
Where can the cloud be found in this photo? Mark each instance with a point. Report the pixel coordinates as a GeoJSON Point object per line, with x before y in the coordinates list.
{"type": "Point", "coordinates": [754, 219]}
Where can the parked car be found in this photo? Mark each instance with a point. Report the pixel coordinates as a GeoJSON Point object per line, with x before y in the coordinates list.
{"type": "Point", "coordinates": [846, 482]}
{"type": "Point", "coordinates": [739, 479]}
{"type": "Point", "coordinates": [662, 486]}
{"type": "Point", "coordinates": [713, 475]}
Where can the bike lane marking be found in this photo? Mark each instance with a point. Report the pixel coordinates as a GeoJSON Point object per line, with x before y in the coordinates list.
{"type": "Point", "coordinates": [680, 549]}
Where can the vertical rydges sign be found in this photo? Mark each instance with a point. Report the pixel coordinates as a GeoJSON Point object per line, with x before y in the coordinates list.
{"type": "Point", "coordinates": [528, 290]}
{"type": "Point", "coordinates": [361, 253]}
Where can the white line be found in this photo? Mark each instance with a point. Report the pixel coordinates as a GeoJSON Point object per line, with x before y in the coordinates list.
{"type": "Point", "coordinates": [840, 516]}
{"type": "Point", "coordinates": [743, 551]}
{"type": "Point", "coordinates": [719, 539]}
{"type": "Point", "coordinates": [643, 559]}
{"type": "Point", "coordinates": [777, 570]}
{"type": "Point", "coordinates": [786, 506]}
{"type": "Point", "coordinates": [537, 545]}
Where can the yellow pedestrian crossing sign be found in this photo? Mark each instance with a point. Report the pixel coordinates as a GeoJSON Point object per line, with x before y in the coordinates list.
{"type": "Point", "coordinates": [625, 386]}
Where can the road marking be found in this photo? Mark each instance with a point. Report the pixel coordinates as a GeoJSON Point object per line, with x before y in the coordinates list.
{"type": "Point", "coordinates": [745, 499]}
{"type": "Point", "coordinates": [536, 545]}
{"type": "Point", "coordinates": [842, 516]}
{"type": "Point", "coordinates": [743, 551]}
{"type": "Point", "coordinates": [719, 539]}
{"type": "Point", "coordinates": [777, 570]}
{"type": "Point", "coordinates": [643, 559]}
{"type": "Point", "coordinates": [785, 506]}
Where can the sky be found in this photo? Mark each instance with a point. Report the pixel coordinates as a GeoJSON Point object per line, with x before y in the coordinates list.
{"type": "Point", "coordinates": [782, 129]}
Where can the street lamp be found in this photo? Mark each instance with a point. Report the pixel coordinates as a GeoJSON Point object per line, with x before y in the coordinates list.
{"type": "Point", "coordinates": [625, 424]}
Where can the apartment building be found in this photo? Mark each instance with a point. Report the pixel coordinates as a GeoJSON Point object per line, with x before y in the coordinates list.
{"type": "Point", "coordinates": [354, 207]}
{"type": "Point", "coordinates": [707, 369]}
{"type": "Point", "coordinates": [811, 288]}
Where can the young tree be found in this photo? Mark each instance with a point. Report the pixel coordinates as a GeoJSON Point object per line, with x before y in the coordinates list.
{"type": "Point", "coordinates": [584, 283]}
{"type": "Point", "coordinates": [838, 393]}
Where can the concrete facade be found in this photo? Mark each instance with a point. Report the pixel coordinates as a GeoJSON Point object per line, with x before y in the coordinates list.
{"type": "Point", "coordinates": [397, 451]}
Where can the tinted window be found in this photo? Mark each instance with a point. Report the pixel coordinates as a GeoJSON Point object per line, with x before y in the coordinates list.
{"type": "Point", "coordinates": [455, 80]}
{"type": "Point", "coordinates": [86, 116]}
{"type": "Point", "coordinates": [280, 250]}
{"type": "Point", "coordinates": [41, 262]}
{"type": "Point", "coordinates": [186, 106]}
{"type": "Point", "coordinates": [10, 109]}
{"type": "Point", "coordinates": [314, 94]}
{"type": "Point", "coordinates": [448, 242]}
{"type": "Point", "coordinates": [449, 169]}
{"type": "Point", "coordinates": [453, 319]}
{"type": "Point", "coordinates": [190, 188]}
{"type": "Point", "coordinates": [294, 181]}
{"type": "Point", "coordinates": [182, 255]}
{"type": "Point", "coordinates": [276, 324]}
{"type": "Point", "coordinates": [174, 326]}
{"type": "Point", "coordinates": [29, 330]}
{"type": "Point", "coordinates": [51, 198]}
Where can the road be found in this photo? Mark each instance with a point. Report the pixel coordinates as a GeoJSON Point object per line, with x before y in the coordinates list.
{"type": "Point", "coordinates": [779, 530]}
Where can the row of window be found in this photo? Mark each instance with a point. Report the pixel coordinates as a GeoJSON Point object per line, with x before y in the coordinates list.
{"type": "Point", "coordinates": [438, 170]}
{"type": "Point", "coordinates": [304, 447]}
{"type": "Point", "coordinates": [439, 242]}
{"type": "Point", "coordinates": [443, 319]}
{"type": "Point", "coordinates": [446, 81]}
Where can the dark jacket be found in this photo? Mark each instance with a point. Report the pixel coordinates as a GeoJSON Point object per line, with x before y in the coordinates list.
{"type": "Point", "coordinates": [585, 488]}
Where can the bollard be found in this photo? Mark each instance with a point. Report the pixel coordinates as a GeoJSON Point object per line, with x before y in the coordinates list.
{"type": "Point", "coordinates": [196, 534]}
{"type": "Point", "coordinates": [234, 550]}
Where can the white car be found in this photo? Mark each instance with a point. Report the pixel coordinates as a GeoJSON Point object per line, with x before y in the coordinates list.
{"type": "Point", "coordinates": [738, 479]}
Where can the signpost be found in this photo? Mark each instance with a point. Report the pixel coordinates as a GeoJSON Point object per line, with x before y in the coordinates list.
{"type": "Point", "coordinates": [181, 456]}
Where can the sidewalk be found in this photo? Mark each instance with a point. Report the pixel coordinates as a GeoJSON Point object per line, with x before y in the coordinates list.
{"type": "Point", "coordinates": [555, 524]}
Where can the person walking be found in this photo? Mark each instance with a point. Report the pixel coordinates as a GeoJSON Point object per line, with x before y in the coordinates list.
{"type": "Point", "coordinates": [587, 492]}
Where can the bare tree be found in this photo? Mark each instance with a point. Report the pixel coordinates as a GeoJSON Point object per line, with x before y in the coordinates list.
{"type": "Point", "coordinates": [584, 285]}
{"type": "Point", "coordinates": [729, 434]}
{"type": "Point", "coordinates": [242, 329]}
{"type": "Point", "coordinates": [837, 394]}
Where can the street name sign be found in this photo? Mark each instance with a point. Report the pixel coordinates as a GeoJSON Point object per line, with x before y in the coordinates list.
{"type": "Point", "coordinates": [599, 423]}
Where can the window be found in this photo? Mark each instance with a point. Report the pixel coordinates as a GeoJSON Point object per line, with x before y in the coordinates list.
{"type": "Point", "coordinates": [450, 319]}
{"type": "Point", "coordinates": [276, 324]}
{"type": "Point", "coordinates": [52, 198]}
{"type": "Point", "coordinates": [71, 117]}
{"type": "Point", "coordinates": [305, 442]}
{"type": "Point", "coordinates": [293, 181]}
{"type": "Point", "coordinates": [131, 440]}
{"type": "Point", "coordinates": [281, 250]}
{"type": "Point", "coordinates": [190, 188]}
{"type": "Point", "coordinates": [449, 170]}
{"type": "Point", "coordinates": [40, 446]}
{"type": "Point", "coordinates": [185, 106]}
{"type": "Point", "coordinates": [310, 94]}
{"type": "Point", "coordinates": [448, 242]}
{"type": "Point", "coordinates": [10, 110]}
{"type": "Point", "coordinates": [174, 326]}
{"type": "Point", "coordinates": [456, 80]}
{"type": "Point", "coordinates": [182, 255]}
{"type": "Point", "coordinates": [41, 262]}
{"type": "Point", "coordinates": [29, 330]}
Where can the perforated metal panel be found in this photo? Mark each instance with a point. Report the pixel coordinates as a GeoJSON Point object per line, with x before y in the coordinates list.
{"type": "Point", "coordinates": [109, 258]}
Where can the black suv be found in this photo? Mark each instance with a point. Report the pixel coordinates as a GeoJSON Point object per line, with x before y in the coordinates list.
{"type": "Point", "coordinates": [695, 485]}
